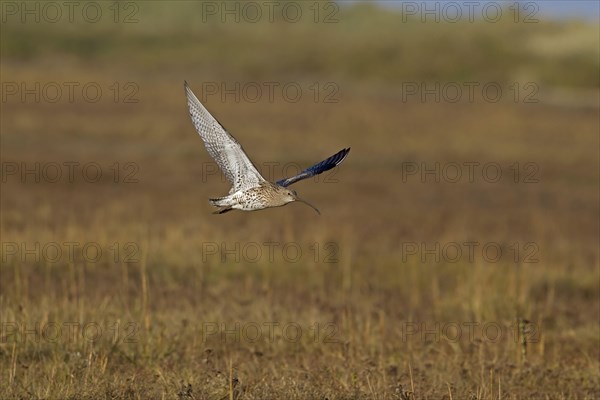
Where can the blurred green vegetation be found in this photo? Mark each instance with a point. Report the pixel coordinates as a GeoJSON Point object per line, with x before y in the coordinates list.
{"type": "Point", "coordinates": [361, 43]}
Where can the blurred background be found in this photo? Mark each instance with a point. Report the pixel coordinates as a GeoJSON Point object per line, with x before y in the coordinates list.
{"type": "Point", "coordinates": [457, 250]}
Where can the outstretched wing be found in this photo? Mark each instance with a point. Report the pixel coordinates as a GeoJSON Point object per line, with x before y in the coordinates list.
{"type": "Point", "coordinates": [317, 169]}
{"type": "Point", "coordinates": [226, 151]}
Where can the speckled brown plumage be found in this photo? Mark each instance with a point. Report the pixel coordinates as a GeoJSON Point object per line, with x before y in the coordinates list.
{"type": "Point", "coordinates": [249, 191]}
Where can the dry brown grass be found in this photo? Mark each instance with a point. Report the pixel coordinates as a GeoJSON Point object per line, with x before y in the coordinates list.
{"type": "Point", "coordinates": [158, 311]}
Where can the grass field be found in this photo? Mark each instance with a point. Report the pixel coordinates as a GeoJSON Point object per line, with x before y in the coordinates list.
{"type": "Point", "coordinates": [456, 255]}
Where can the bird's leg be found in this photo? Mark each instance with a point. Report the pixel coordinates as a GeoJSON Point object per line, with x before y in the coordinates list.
{"type": "Point", "coordinates": [222, 210]}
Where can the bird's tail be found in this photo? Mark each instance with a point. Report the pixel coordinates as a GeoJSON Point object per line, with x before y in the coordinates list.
{"type": "Point", "coordinates": [222, 203]}
{"type": "Point", "coordinates": [219, 202]}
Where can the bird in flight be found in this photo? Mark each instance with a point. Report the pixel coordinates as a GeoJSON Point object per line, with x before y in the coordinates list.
{"type": "Point", "coordinates": [249, 191]}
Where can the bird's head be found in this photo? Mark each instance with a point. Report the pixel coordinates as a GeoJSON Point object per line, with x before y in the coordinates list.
{"type": "Point", "coordinates": [291, 195]}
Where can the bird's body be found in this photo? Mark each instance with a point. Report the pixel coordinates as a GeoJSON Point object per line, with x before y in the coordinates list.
{"type": "Point", "coordinates": [249, 191]}
{"type": "Point", "coordinates": [264, 195]}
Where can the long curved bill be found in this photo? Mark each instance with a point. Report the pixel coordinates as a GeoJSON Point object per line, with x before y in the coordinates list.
{"type": "Point", "coordinates": [308, 204]}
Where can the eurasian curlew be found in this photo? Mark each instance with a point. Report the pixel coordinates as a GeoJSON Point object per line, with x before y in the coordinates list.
{"type": "Point", "coordinates": [249, 191]}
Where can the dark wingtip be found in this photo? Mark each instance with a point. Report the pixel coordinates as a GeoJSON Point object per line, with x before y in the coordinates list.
{"type": "Point", "coordinates": [343, 153]}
